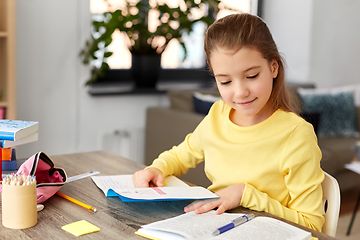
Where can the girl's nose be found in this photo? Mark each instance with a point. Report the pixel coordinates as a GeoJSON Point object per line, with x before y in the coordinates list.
{"type": "Point", "coordinates": [241, 90]}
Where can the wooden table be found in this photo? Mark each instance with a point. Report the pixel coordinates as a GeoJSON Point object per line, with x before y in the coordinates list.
{"type": "Point", "coordinates": [116, 219]}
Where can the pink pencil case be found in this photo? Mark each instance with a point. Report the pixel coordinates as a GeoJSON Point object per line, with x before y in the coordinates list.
{"type": "Point", "coordinates": [49, 179]}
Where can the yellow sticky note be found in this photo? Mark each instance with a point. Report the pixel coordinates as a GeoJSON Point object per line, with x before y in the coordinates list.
{"type": "Point", "coordinates": [80, 228]}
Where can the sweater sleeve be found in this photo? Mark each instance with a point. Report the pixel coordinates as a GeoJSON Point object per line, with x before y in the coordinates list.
{"type": "Point", "coordinates": [300, 166]}
{"type": "Point", "coordinates": [179, 159]}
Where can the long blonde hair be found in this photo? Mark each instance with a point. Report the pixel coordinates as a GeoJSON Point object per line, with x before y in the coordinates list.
{"type": "Point", "coordinates": [245, 30]}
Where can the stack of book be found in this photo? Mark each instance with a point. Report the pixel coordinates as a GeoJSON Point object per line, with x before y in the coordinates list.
{"type": "Point", "coordinates": [14, 133]}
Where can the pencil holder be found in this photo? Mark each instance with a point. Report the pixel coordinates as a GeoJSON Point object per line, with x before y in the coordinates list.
{"type": "Point", "coordinates": [19, 207]}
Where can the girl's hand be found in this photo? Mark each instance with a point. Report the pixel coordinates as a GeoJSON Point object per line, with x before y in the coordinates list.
{"type": "Point", "coordinates": [230, 198]}
{"type": "Point", "coordinates": [150, 177]}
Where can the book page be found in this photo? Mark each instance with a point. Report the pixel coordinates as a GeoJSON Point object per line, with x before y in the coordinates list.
{"type": "Point", "coordinates": [175, 189]}
{"type": "Point", "coordinates": [200, 227]}
{"type": "Point", "coordinates": [120, 182]}
{"type": "Point", "coordinates": [163, 193]}
{"type": "Point", "coordinates": [194, 226]}
{"type": "Point", "coordinates": [270, 228]}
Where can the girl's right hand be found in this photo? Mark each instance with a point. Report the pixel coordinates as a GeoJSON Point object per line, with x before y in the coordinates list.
{"type": "Point", "coordinates": [150, 177]}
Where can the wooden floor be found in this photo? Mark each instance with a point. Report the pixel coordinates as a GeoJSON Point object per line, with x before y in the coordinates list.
{"type": "Point", "coordinates": [348, 200]}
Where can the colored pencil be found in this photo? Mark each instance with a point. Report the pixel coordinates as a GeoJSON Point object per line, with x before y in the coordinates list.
{"type": "Point", "coordinates": [76, 201]}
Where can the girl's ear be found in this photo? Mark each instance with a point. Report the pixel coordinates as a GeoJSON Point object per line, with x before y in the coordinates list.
{"type": "Point", "coordinates": [274, 66]}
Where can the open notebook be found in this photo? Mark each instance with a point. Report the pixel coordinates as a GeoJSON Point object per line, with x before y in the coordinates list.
{"type": "Point", "coordinates": [191, 226]}
{"type": "Point", "coordinates": [175, 189]}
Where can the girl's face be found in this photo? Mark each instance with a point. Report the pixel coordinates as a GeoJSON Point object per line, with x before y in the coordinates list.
{"type": "Point", "coordinates": [245, 81]}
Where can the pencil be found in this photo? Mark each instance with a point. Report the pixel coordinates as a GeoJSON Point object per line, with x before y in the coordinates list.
{"type": "Point", "coordinates": [76, 201]}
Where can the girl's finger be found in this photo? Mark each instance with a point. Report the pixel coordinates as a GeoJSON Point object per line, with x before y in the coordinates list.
{"type": "Point", "coordinates": [208, 206]}
{"type": "Point", "coordinates": [221, 209]}
{"type": "Point", "coordinates": [195, 205]}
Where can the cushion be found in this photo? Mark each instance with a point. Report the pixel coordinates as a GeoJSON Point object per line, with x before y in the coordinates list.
{"type": "Point", "coordinates": [183, 99]}
{"type": "Point", "coordinates": [203, 102]}
{"type": "Point", "coordinates": [296, 103]}
{"type": "Point", "coordinates": [336, 107]}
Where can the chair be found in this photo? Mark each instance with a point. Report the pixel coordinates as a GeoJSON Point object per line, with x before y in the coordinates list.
{"type": "Point", "coordinates": [331, 204]}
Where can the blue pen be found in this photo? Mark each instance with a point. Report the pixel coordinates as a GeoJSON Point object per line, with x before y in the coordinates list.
{"type": "Point", "coordinates": [236, 222]}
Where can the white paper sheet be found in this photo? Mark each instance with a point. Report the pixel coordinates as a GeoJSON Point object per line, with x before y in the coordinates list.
{"type": "Point", "coordinates": [353, 166]}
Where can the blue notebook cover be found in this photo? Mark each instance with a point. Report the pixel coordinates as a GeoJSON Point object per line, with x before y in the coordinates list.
{"type": "Point", "coordinates": [16, 129]}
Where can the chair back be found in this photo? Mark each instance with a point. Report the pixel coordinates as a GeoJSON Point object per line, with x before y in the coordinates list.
{"type": "Point", "coordinates": [331, 204]}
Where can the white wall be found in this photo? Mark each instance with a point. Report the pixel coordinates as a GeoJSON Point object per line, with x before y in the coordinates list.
{"type": "Point", "coordinates": [320, 40]}
{"type": "Point", "coordinates": [335, 46]}
{"type": "Point", "coordinates": [290, 23]}
{"type": "Point", "coordinates": [47, 74]}
{"type": "Point", "coordinates": [51, 77]}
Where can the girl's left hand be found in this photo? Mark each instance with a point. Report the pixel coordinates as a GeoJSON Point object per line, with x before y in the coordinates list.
{"type": "Point", "coordinates": [230, 198]}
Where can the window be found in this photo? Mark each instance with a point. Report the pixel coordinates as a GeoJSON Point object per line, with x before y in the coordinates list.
{"type": "Point", "coordinates": [172, 57]}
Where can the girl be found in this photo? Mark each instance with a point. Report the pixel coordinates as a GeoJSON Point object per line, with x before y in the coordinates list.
{"type": "Point", "coordinates": [258, 153]}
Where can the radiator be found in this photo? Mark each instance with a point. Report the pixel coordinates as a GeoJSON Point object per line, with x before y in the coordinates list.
{"type": "Point", "coordinates": [128, 143]}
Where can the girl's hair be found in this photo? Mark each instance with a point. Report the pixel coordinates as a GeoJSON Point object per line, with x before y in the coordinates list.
{"type": "Point", "coordinates": [245, 30]}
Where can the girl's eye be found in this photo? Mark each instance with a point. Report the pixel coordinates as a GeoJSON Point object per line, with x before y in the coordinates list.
{"type": "Point", "coordinates": [225, 83]}
{"type": "Point", "coordinates": [253, 76]}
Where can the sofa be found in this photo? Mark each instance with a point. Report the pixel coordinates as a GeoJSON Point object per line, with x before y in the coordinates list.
{"type": "Point", "coordinates": [166, 127]}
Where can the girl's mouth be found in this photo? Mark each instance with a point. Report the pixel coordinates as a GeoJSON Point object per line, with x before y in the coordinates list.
{"type": "Point", "coordinates": [247, 103]}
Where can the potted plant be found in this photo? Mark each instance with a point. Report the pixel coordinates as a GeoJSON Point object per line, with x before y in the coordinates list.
{"type": "Point", "coordinates": [146, 46]}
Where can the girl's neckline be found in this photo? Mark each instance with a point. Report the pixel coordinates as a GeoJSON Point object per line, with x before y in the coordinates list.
{"type": "Point", "coordinates": [252, 126]}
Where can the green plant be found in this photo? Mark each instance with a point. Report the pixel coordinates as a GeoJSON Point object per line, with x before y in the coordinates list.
{"type": "Point", "coordinates": [133, 20]}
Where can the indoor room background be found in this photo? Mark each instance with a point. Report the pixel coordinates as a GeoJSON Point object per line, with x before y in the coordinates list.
{"type": "Point", "coordinates": [318, 38]}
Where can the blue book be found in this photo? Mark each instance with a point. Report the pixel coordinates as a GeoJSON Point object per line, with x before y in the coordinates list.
{"type": "Point", "coordinates": [9, 165]}
{"type": "Point", "coordinates": [15, 129]}
{"type": "Point", "coordinates": [28, 139]}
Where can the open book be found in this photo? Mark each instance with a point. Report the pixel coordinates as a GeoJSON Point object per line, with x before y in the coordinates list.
{"type": "Point", "coordinates": [193, 226]}
{"type": "Point", "coordinates": [175, 189]}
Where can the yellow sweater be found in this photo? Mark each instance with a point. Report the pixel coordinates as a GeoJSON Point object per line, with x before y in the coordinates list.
{"type": "Point", "coordinates": [277, 159]}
